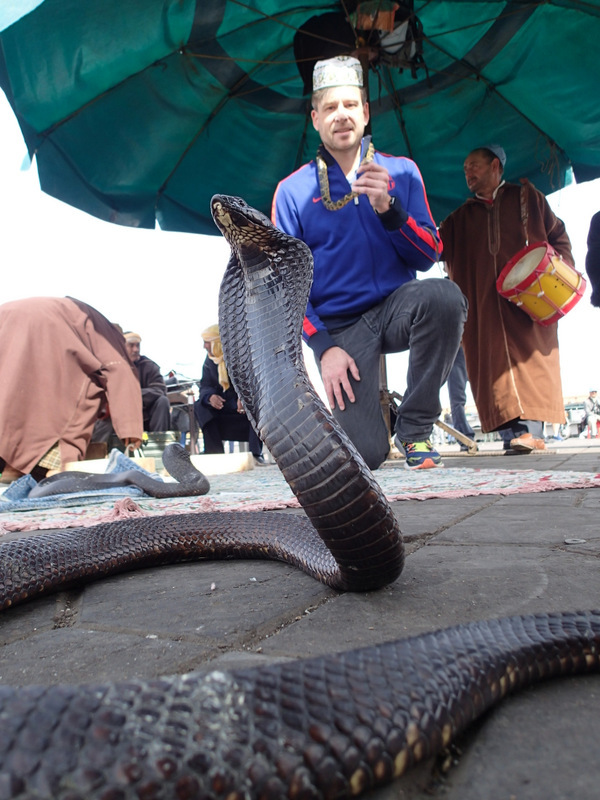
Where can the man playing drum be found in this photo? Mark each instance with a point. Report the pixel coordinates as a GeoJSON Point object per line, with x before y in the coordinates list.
{"type": "Point", "coordinates": [512, 361]}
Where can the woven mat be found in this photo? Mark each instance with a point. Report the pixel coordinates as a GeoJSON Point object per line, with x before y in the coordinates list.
{"type": "Point", "coordinates": [265, 489]}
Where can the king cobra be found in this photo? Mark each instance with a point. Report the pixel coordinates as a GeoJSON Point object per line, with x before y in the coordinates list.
{"type": "Point", "coordinates": [331, 727]}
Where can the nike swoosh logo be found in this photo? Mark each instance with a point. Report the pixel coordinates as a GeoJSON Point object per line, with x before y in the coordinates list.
{"type": "Point", "coordinates": [316, 199]}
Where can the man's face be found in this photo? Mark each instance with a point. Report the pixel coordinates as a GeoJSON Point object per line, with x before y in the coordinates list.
{"type": "Point", "coordinates": [133, 349]}
{"type": "Point", "coordinates": [340, 118]}
{"type": "Point", "coordinates": [482, 175]}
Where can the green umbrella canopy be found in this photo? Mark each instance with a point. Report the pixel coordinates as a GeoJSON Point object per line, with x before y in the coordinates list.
{"type": "Point", "coordinates": [141, 110]}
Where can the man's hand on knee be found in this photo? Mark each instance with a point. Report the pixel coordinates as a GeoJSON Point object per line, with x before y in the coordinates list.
{"type": "Point", "coordinates": [335, 366]}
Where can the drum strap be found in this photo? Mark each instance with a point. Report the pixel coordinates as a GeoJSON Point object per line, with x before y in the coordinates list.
{"type": "Point", "coordinates": [524, 211]}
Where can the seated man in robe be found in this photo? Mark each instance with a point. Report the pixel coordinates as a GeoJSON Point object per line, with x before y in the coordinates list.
{"type": "Point", "coordinates": [155, 403]}
{"type": "Point", "coordinates": [218, 409]}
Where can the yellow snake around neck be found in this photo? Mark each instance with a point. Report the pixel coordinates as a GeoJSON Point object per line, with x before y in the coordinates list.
{"type": "Point", "coordinates": [335, 205]}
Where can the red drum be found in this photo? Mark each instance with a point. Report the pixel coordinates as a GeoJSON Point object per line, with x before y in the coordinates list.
{"type": "Point", "coordinates": [540, 283]}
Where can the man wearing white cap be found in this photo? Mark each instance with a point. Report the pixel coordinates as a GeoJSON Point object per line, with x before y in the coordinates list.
{"type": "Point", "coordinates": [366, 219]}
{"type": "Point", "coordinates": [512, 361]}
{"type": "Point", "coordinates": [155, 402]}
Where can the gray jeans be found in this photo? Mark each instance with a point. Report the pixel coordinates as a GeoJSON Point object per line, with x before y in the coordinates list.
{"type": "Point", "coordinates": [424, 317]}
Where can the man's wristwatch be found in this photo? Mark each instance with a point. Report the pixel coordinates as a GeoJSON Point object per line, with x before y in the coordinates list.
{"type": "Point", "coordinates": [383, 213]}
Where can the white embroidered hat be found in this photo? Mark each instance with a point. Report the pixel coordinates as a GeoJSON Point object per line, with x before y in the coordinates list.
{"type": "Point", "coordinates": [338, 71]}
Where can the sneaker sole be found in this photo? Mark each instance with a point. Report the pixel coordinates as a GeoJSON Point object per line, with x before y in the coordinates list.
{"type": "Point", "coordinates": [522, 448]}
{"type": "Point", "coordinates": [429, 463]}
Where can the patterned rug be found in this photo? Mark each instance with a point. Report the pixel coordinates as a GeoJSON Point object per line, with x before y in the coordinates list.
{"type": "Point", "coordinates": [265, 489]}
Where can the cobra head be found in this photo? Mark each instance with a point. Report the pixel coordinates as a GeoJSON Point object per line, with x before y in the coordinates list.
{"type": "Point", "coordinates": [244, 227]}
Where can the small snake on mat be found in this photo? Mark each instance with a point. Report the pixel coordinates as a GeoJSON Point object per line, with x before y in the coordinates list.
{"type": "Point", "coordinates": [329, 727]}
{"type": "Point", "coordinates": [176, 459]}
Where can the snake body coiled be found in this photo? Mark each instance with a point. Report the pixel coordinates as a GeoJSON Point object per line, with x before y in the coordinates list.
{"type": "Point", "coordinates": [354, 542]}
{"type": "Point", "coordinates": [261, 309]}
{"type": "Point", "coordinates": [330, 727]}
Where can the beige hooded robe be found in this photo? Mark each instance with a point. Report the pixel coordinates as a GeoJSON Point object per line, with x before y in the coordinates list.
{"type": "Point", "coordinates": [60, 361]}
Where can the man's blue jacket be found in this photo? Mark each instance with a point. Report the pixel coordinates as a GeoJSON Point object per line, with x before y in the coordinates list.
{"type": "Point", "coordinates": [360, 257]}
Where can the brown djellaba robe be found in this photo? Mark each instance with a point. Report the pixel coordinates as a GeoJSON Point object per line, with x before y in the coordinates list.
{"type": "Point", "coordinates": [512, 361]}
{"type": "Point", "coordinates": [60, 362]}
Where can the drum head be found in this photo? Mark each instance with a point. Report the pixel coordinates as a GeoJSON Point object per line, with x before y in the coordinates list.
{"type": "Point", "coordinates": [524, 267]}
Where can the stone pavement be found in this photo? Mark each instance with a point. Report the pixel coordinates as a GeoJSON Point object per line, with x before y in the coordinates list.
{"type": "Point", "coordinates": [468, 559]}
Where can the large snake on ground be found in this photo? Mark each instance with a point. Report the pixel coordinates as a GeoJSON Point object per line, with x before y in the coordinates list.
{"type": "Point", "coordinates": [320, 728]}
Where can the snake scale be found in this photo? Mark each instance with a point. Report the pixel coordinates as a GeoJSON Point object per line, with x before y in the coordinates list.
{"type": "Point", "coordinates": [330, 727]}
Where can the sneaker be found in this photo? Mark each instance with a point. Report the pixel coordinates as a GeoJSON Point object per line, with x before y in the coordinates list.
{"type": "Point", "coordinates": [419, 455]}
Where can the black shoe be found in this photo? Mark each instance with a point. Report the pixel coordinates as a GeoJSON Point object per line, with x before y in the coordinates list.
{"type": "Point", "coordinates": [260, 461]}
